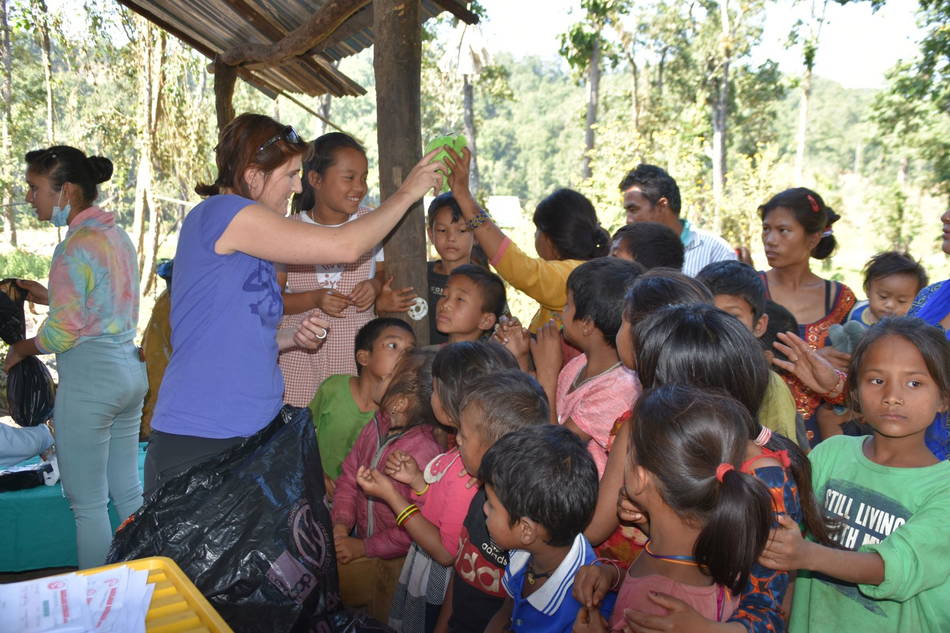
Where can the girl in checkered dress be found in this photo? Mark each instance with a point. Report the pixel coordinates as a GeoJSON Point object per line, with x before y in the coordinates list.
{"type": "Point", "coordinates": [334, 184]}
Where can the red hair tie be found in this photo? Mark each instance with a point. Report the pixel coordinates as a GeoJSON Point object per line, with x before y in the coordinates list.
{"type": "Point", "coordinates": [814, 203]}
{"type": "Point", "coordinates": [722, 469]}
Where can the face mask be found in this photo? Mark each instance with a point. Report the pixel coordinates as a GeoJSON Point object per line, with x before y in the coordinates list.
{"type": "Point", "coordinates": [60, 214]}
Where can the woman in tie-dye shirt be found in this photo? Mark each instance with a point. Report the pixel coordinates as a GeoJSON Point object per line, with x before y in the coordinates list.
{"type": "Point", "coordinates": [93, 303]}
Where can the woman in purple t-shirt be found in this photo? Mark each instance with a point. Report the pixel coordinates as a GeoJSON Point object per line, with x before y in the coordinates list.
{"type": "Point", "coordinates": [222, 383]}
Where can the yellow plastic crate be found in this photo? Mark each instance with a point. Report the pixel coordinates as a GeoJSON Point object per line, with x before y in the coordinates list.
{"type": "Point", "coordinates": [177, 606]}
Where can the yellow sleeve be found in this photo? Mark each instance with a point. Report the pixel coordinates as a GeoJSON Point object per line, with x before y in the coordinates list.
{"type": "Point", "coordinates": [778, 407]}
{"type": "Point", "coordinates": [543, 280]}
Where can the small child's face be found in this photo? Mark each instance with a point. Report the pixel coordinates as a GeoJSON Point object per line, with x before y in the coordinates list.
{"type": "Point", "coordinates": [498, 522]}
{"type": "Point", "coordinates": [452, 240]}
{"type": "Point", "coordinates": [388, 348]}
{"type": "Point", "coordinates": [897, 394]}
{"type": "Point", "coordinates": [740, 308]}
{"type": "Point", "coordinates": [472, 446]}
{"type": "Point", "coordinates": [891, 296]}
{"type": "Point", "coordinates": [459, 310]}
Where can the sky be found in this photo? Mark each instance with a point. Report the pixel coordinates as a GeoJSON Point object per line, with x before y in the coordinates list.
{"type": "Point", "coordinates": [856, 48]}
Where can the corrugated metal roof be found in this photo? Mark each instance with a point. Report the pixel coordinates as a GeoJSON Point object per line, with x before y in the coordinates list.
{"type": "Point", "coordinates": [215, 26]}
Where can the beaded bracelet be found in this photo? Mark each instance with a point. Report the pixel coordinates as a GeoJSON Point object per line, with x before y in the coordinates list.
{"type": "Point", "coordinates": [407, 512]}
{"type": "Point", "coordinates": [839, 386]}
{"type": "Point", "coordinates": [480, 218]}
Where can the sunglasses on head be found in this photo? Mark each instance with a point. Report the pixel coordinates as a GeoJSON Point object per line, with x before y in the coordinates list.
{"type": "Point", "coordinates": [288, 134]}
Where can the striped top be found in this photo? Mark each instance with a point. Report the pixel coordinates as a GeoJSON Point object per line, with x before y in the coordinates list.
{"type": "Point", "coordinates": [93, 285]}
{"type": "Point", "coordinates": [702, 248]}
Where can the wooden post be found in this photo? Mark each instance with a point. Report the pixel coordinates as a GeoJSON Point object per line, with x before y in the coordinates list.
{"type": "Point", "coordinates": [224, 78]}
{"type": "Point", "coordinates": [397, 61]}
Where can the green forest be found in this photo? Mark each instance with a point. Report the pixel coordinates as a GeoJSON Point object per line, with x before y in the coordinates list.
{"type": "Point", "coordinates": [679, 89]}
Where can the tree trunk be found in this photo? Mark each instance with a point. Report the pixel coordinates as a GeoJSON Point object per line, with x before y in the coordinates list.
{"type": "Point", "coordinates": [468, 117]}
{"type": "Point", "coordinates": [151, 81]}
{"type": "Point", "coordinates": [6, 123]}
{"type": "Point", "coordinates": [43, 24]}
{"type": "Point", "coordinates": [636, 92]}
{"type": "Point", "coordinates": [397, 63]}
{"type": "Point", "coordinates": [802, 127]}
{"type": "Point", "coordinates": [720, 117]}
{"type": "Point", "coordinates": [326, 102]}
{"type": "Point", "coordinates": [593, 99]}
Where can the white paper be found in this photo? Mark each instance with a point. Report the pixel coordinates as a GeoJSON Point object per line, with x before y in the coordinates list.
{"type": "Point", "coordinates": [111, 601]}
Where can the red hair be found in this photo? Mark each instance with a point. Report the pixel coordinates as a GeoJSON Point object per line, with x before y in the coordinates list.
{"type": "Point", "coordinates": [241, 145]}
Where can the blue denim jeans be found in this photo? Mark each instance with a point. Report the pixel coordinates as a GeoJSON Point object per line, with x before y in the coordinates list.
{"type": "Point", "coordinates": [102, 385]}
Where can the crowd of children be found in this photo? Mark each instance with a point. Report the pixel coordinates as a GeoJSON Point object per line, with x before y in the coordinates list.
{"type": "Point", "coordinates": [636, 459]}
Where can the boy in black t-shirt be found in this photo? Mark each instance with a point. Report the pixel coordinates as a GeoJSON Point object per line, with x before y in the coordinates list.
{"type": "Point", "coordinates": [494, 406]}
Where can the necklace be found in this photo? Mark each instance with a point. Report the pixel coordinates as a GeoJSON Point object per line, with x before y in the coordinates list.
{"type": "Point", "coordinates": [677, 559]}
{"type": "Point", "coordinates": [533, 577]}
{"type": "Point", "coordinates": [575, 384]}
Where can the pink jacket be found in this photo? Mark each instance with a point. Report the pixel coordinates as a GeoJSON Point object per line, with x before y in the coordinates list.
{"type": "Point", "coordinates": [369, 518]}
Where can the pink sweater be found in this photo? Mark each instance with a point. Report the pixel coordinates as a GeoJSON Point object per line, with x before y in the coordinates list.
{"type": "Point", "coordinates": [448, 497]}
{"type": "Point", "coordinates": [371, 519]}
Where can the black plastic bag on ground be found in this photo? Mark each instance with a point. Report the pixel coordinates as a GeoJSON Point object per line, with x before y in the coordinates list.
{"type": "Point", "coordinates": [252, 529]}
{"type": "Point", "coordinates": [30, 390]}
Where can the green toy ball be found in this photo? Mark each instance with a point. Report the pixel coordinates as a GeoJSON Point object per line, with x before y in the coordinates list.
{"type": "Point", "coordinates": [458, 143]}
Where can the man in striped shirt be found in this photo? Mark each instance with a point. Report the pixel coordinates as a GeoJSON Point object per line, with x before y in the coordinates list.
{"type": "Point", "coordinates": [651, 195]}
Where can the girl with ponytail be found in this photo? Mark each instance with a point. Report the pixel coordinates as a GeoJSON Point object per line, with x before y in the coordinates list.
{"type": "Point", "coordinates": [797, 226]}
{"type": "Point", "coordinates": [709, 517]}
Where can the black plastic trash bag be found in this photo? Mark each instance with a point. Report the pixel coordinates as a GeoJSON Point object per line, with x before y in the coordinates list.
{"type": "Point", "coordinates": [251, 528]}
{"type": "Point", "coordinates": [30, 390]}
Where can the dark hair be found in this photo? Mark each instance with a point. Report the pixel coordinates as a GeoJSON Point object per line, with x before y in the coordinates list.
{"type": "Point", "coordinates": [681, 435]}
{"type": "Point", "coordinates": [570, 222]}
{"type": "Point", "coordinates": [702, 346]}
{"type": "Point", "coordinates": [598, 287]}
{"type": "Point", "coordinates": [62, 164]}
{"type": "Point", "coordinates": [370, 333]}
{"type": "Point", "coordinates": [652, 244]}
{"type": "Point", "coordinates": [558, 490]}
{"type": "Point", "coordinates": [457, 364]}
{"type": "Point", "coordinates": [661, 287]}
{"type": "Point", "coordinates": [490, 284]}
{"type": "Point", "coordinates": [811, 212]}
{"type": "Point", "coordinates": [893, 263]}
{"type": "Point", "coordinates": [322, 156]}
{"type": "Point", "coordinates": [412, 379]}
{"type": "Point", "coordinates": [654, 183]}
{"type": "Point", "coordinates": [246, 142]}
{"type": "Point", "coordinates": [441, 201]}
{"type": "Point", "coordinates": [507, 400]}
{"type": "Point", "coordinates": [732, 277]}
{"type": "Point", "coordinates": [780, 320]}
{"type": "Point", "coordinates": [930, 340]}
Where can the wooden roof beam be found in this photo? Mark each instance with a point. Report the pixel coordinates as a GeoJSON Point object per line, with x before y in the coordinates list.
{"type": "Point", "coordinates": [306, 36]}
{"type": "Point", "coordinates": [458, 10]}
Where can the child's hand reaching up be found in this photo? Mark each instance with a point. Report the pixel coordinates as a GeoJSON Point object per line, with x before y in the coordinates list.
{"type": "Point", "coordinates": [404, 469]}
{"type": "Point", "coordinates": [546, 350]}
{"type": "Point", "coordinates": [517, 339]}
